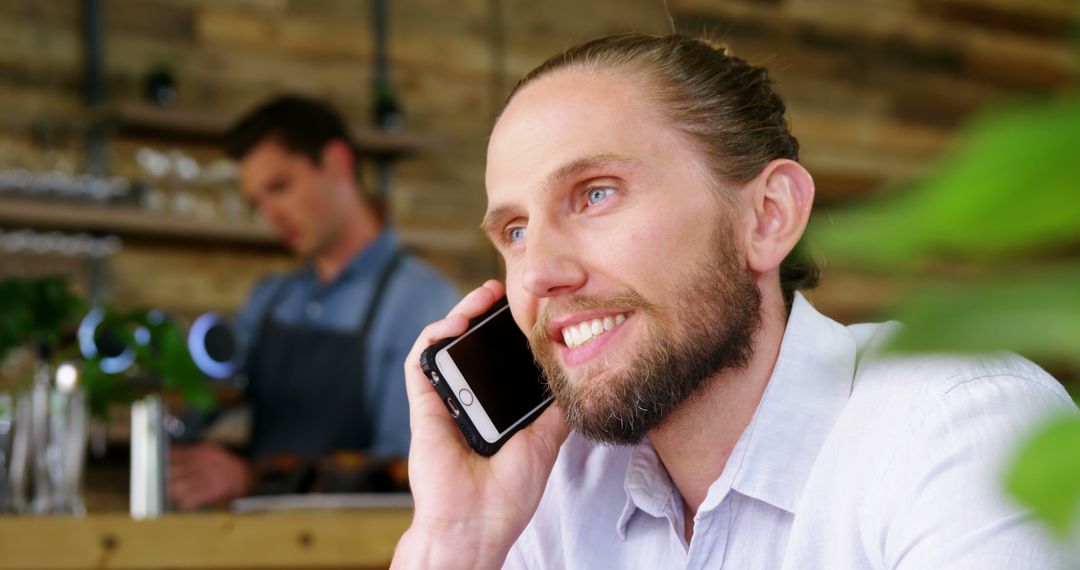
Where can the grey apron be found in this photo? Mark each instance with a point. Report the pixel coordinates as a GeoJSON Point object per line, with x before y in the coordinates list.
{"type": "Point", "coordinates": [307, 386]}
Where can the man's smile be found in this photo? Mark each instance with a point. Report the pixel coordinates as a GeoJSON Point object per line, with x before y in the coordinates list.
{"type": "Point", "coordinates": [582, 333]}
{"type": "Point", "coordinates": [580, 337]}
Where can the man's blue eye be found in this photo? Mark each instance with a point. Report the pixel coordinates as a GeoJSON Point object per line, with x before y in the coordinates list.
{"type": "Point", "coordinates": [516, 234]}
{"type": "Point", "coordinates": [597, 195]}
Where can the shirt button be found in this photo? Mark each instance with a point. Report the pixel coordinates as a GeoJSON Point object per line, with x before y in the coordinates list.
{"type": "Point", "coordinates": [314, 309]}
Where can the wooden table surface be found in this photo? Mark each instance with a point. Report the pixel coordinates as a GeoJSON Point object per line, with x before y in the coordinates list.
{"type": "Point", "coordinates": [299, 539]}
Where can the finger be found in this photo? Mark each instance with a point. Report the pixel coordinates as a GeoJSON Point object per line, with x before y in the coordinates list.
{"type": "Point", "coordinates": [474, 304]}
{"type": "Point", "coordinates": [191, 461]}
{"type": "Point", "coordinates": [184, 473]}
{"type": "Point", "coordinates": [204, 492]}
{"type": "Point", "coordinates": [456, 321]}
{"type": "Point", "coordinates": [496, 287]}
{"type": "Point", "coordinates": [485, 294]}
{"type": "Point", "coordinates": [454, 324]}
{"type": "Point", "coordinates": [184, 494]}
{"type": "Point", "coordinates": [427, 416]}
{"type": "Point", "coordinates": [479, 300]}
{"type": "Point", "coordinates": [415, 381]}
{"type": "Point", "coordinates": [195, 499]}
{"type": "Point", "coordinates": [182, 470]}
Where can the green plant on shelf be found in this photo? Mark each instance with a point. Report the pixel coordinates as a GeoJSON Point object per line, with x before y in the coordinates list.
{"type": "Point", "coordinates": [987, 246]}
{"type": "Point", "coordinates": [41, 316]}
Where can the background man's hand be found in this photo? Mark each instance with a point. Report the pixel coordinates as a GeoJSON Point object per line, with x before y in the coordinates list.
{"type": "Point", "coordinates": [206, 474]}
{"type": "Point", "coordinates": [469, 509]}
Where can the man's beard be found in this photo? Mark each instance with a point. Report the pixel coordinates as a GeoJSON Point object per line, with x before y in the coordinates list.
{"type": "Point", "coordinates": [715, 312]}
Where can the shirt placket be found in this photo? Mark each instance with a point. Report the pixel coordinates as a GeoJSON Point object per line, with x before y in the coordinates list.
{"type": "Point", "coordinates": [315, 304]}
{"type": "Point", "coordinates": [709, 543]}
{"type": "Point", "coordinates": [673, 512]}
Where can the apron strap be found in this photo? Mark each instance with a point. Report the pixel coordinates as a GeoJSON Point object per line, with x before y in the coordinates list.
{"type": "Point", "coordinates": [379, 292]}
{"type": "Point", "coordinates": [267, 311]}
{"type": "Point", "coordinates": [282, 288]}
{"type": "Point", "coordinates": [266, 314]}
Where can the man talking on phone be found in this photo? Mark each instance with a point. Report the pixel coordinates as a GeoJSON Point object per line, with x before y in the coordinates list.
{"type": "Point", "coordinates": [724, 423]}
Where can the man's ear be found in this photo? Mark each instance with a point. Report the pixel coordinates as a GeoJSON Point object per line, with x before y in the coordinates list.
{"type": "Point", "coordinates": [338, 159]}
{"type": "Point", "coordinates": [782, 195]}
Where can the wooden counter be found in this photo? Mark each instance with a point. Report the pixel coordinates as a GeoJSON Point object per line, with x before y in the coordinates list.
{"type": "Point", "coordinates": [312, 539]}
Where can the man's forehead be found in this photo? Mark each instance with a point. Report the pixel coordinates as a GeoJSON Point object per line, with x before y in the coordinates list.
{"type": "Point", "coordinates": [571, 98]}
{"type": "Point", "coordinates": [569, 117]}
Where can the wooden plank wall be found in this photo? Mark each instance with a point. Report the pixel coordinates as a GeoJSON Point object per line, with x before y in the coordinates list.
{"type": "Point", "coordinates": [876, 91]}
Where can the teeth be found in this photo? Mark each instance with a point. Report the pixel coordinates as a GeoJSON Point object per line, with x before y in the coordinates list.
{"type": "Point", "coordinates": [582, 333]}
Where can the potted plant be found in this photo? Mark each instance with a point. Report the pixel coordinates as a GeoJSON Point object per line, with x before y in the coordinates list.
{"type": "Point", "coordinates": [59, 361]}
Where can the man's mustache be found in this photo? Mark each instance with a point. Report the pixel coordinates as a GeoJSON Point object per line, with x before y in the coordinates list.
{"type": "Point", "coordinates": [621, 302]}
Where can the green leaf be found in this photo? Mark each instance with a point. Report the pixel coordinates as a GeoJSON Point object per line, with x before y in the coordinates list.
{"type": "Point", "coordinates": [39, 310]}
{"type": "Point", "coordinates": [1011, 189]}
{"type": "Point", "coordinates": [103, 389]}
{"type": "Point", "coordinates": [1037, 316]}
{"type": "Point", "coordinates": [171, 361]}
{"type": "Point", "coordinates": [1046, 474]}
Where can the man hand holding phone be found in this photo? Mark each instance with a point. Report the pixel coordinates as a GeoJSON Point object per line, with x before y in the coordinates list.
{"type": "Point", "coordinates": [458, 492]}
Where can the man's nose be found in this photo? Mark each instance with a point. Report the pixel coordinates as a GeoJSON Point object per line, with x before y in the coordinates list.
{"type": "Point", "coordinates": [551, 265]}
{"type": "Point", "coordinates": [270, 212]}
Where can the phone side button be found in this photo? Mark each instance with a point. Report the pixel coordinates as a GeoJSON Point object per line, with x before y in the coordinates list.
{"type": "Point", "coordinates": [434, 378]}
{"type": "Point", "coordinates": [465, 397]}
{"type": "Point", "coordinates": [454, 411]}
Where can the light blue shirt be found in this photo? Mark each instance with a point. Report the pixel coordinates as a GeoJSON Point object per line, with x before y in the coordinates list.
{"type": "Point", "coordinates": [850, 461]}
{"type": "Point", "coordinates": [415, 296]}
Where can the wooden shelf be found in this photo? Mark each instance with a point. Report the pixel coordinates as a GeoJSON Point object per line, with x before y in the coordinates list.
{"type": "Point", "coordinates": [336, 539]}
{"type": "Point", "coordinates": [128, 222]}
{"type": "Point", "coordinates": [207, 127]}
{"type": "Point", "coordinates": [131, 222]}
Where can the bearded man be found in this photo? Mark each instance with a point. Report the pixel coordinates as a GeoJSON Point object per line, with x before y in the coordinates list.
{"type": "Point", "coordinates": [721, 422]}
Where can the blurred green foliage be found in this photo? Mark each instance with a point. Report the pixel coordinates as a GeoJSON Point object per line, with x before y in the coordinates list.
{"type": "Point", "coordinates": [990, 242]}
{"type": "Point", "coordinates": [44, 313]}
{"type": "Point", "coordinates": [1012, 191]}
{"type": "Point", "coordinates": [1035, 313]}
{"type": "Point", "coordinates": [1044, 474]}
{"type": "Point", "coordinates": [36, 311]}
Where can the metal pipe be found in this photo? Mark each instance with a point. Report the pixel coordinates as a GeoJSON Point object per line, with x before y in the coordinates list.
{"type": "Point", "coordinates": [97, 135]}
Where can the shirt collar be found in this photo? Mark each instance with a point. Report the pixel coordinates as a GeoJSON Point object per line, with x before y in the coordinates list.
{"type": "Point", "coordinates": [810, 383]}
{"type": "Point", "coordinates": [647, 484]}
{"type": "Point", "coordinates": [809, 386]}
{"type": "Point", "coordinates": [366, 261]}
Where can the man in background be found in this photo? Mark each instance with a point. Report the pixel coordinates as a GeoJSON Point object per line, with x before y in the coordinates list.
{"type": "Point", "coordinates": [324, 343]}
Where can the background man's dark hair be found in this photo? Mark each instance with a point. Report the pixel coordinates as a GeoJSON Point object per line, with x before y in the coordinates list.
{"type": "Point", "coordinates": [301, 125]}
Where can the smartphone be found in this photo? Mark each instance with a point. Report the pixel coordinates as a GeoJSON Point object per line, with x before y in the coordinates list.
{"type": "Point", "coordinates": [488, 379]}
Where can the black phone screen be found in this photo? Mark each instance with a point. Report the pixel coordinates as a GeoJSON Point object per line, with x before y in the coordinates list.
{"type": "Point", "coordinates": [496, 362]}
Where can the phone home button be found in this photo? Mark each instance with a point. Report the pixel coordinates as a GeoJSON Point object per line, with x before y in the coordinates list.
{"type": "Point", "coordinates": [465, 397]}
